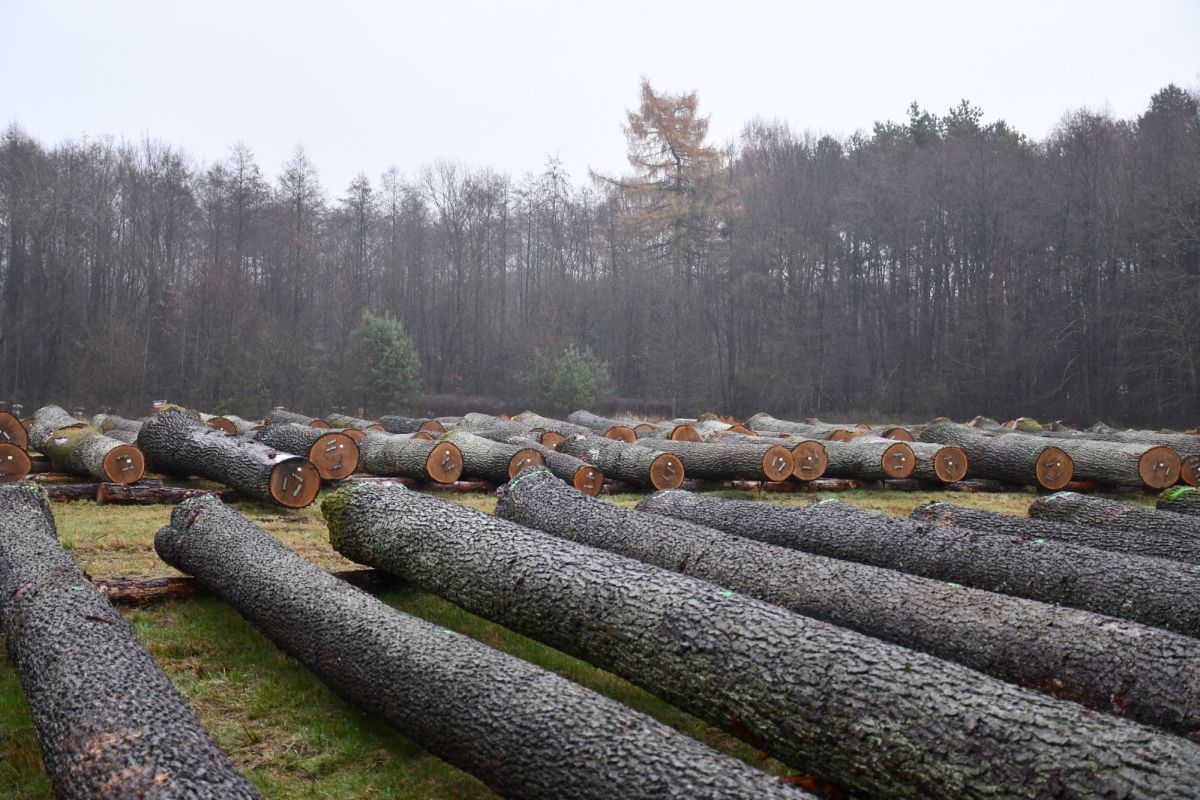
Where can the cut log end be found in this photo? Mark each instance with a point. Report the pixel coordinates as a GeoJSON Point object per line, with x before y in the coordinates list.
{"type": "Point", "coordinates": [353, 433]}
{"type": "Point", "coordinates": [376, 427]}
{"type": "Point", "coordinates": [950, 464]}
{"type": "Point", "coordinates": [863, 426]}
{"type": "Point", "coordinates": [14, 463]}
{"type": "Point", "coordinates": [425, 436]}
{"type": "Point", "coordinates": [588, 480]}
{"type": "Point", "coordinates": [1189, 470]}
{"type": "Point", "coordinates": [843, 435]}
{"type": "Point", "coordinates": [526, 457]}
{"type": "Point", "coordinates": [552, 440]}
{"type": "Point", "coordinates": [433, 426]}
{"type": "Point", "coordinates": [642, 428]}
{"type": "Point", "coordinates": [737, 427]}
{"type": "Point", "coordinates": [12, 431]}
{"type": "Point", "coordinates": [1054, 469]}
{"type": "Point", "coordinates": [810, 459]}
{"type": "Point", "coordinates": [666, 472]}
{"type": "Point", "coordinates": [444, 463]}
{"type": "Point", "coordinates": [778, 463]}
{"type": "Point", "coordinates": [295, 483]}
{"type": "Point", "coordinates": [898, 461]}
{"type": "Point", "coordinates": [224, 425]}
{"type": "Point", "coordinates": [622, 433]}
{"type": "Point", "coordinates": [899, 434]}
{"type": "Point", "coordinates": [1159, 467]}
{"type": "Point", "coordinates": [319, 423]}
{"type": "Point", "coordinates": [685, 433]}
{"type": "Point", "coordinates": [335, 455]}
{"type": "Point", "coordinates": [124, 464]}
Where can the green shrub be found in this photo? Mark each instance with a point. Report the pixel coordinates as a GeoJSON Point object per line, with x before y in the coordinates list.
{"type": "Point", "coordinates": [571, 380]}
{"type": "Point", "coordinates": [387, 367]}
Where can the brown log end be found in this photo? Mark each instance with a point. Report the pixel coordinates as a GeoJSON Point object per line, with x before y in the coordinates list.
{"type": "Point", "coordinates": [294, 482]}
{"type": "Point", "coordinates": [778, 463]}
{"type": "Point", "coordinates": [1189, 470]}
{"type": "Point", "coordinates": [12, 431]}
{"type": "Point", "coordinates": [552, 440]}
{"type": "Point", "coordinates": [622, 433]}
{"type": "Point", "coordinates": [444, 463]}
{"type": "Point", "coordinates": [642, 428]}
{"type": "Point", "coordinates": [1159, 467]}
{"type": "Point", "coordinates": [843, 435]}
{"type": "Point", "coordinates": [810, 460]}
{"type": "Point", "coordinates": [950, 464]}
{"type": "Point", "coordinates": [898, 461]}
{"type": "Point", "coordinates": [425, 436]}
{"type": "Point", "coordinates": [354, 433]}
{"type": "Point", "coordinates": [335, 455]}
{"type": "Point", "coordinates": [862, 426]}
{"type": "Point", "coordinates": [14, 462]}
{"type": "Point", "coordinates": [433, 426]}
{"type": "Point", "coordinates": [124, 464]}
{"type": "Point", "coordinates": [899, 434]}
{"type": "Point", "coordinates": [223, 425]}
{"type": "Point", "coordinates": [376, 427]}
{"type": "Point", "coordinates": [526, 457]}
{"type": "Point", "coordinates": [737, 427]}
{"type": "Point", "coordinates": [1054, 469]}
{"type": "Point", "coordinates": [685, 433]}
{"type": "Point", "coordinates": [588, 480]}
{"type": "Point", "coordinates": [319, 423]}
{"type": "Point", "coordinates": [666, 472]}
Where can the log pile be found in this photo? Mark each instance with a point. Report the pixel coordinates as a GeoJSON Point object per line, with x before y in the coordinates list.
{"type": "Point", "coordinates": [1013, 459]}
{"type": "Point", "coordinates": [629, 463]}
{"type": "Point", "coordinates": [404, 456]}
{"type": "Point", "coordinates": [1111, 515]}
{"type": "Point", "coordinates": [334, 454]}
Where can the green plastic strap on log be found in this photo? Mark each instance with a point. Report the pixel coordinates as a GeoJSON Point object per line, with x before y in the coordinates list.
{"type": "Point", "coordinates": [1175, 494]}
{"type": "Point", "coordinates": [823, 502]}
{"type": "Point", "coordinates": [526, 473]}
{"type": "Point", "coordinates": [954, 585]}
{"type": "Point", "coordinates": [1039, 541]}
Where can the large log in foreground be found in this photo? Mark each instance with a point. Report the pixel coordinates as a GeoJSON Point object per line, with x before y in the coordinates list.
{"type": "Point", "coordinates": [1181, 500]}
{"type": "Point", "coordinates": [876, 718]}
{"type": "Point", "coordinates": [631, 463]}
{"type": "Point", "coordinates": [177, 444]}
{"type": "Point", "coordinates": [1156, 543]}
{"type": "Point", "coordinates": [334, 454]}
{"type": "Point", "coordinates": [1150, 675]}
{"type": "Point", "coordinates": [522, 730]}
{"type": "Point", "coordinates": [1005, 457]}
{"type": "Point", "coordinates": [1152, 591]}
{"type": "Point", "coordinates": [87, 452]}
{"type": "Point", "coordinates": [1101, 513]}
{"type": "Point", "coordinates": [108, 721]}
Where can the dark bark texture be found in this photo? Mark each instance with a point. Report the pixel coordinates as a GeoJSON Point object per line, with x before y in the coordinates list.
{"type": "Point", "coordinates": [108, 721]}
{"type": "Point", "coordinates": [523, 730]}
{"type": "Point", "coordinates": [999, 456]}
{"type": "Point", "coordinates": [396, 424]}
{"type": "Point", "coordinates": [631, 463]}
{"type": "Point", "coordinates": [1181, 500]}
{"type": "Point", "coordinates": [879, 719]}
{"type": "Point", "coordinates": [865, 458]}
{"type": "Point", "coordinates": [335, 455]}
{"type": "Point", "coordinates": [488, 460]}
{"type": "Point", "coordinates": [1103, 513]}
{"type": "Point", "coordinates": [281, 417]}
{"type": "Point", "coordinates": [561, 427]}
{"type": "Point", "coordinates": [400, 455]}
{"type": "Point", "coordinates": [732, 461]}
{"type": "Point", "coordinates": [343, 421]}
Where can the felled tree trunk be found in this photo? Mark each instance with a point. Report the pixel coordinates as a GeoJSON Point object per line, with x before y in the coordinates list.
{"type": "Point", "coordinates": [397, 455]}
{"type": "Point", "coordinates": [871, 458]}
{"type": "Point", "coordinates": [1152, 591]}
{"type": "Point", "coordinates": [395, 424]}
{"type": "Point", "coordinates": [47, 420]}
{"type": "Point", "coordinates": [757, 461]}
{"type": "Point", "coordinates": [673, 430]}
{"type": "Point", "coordinates": [1185, 445]}
{"type": "Point", "coordinates": [938, 463]}
{"type": "Point", "coordinates": [809, 456]}
{"type": "Point", "coordinates": [799, 688]}
{"type": "Point", "coordinates": [343, 421]}
{"type": "Point", "coordinates": [1037, 645]}
{"type": "Point", "coordinates": [123, 436]}
{"type": "Point", "coordinates": [630, 463]}
{"type": "Point", "coordinates": [335, 455]}
{"type": "Point", "coordinates": [177, 444]}
{"type": "Point", "coordinates": [1155, 544]}
{"type": "Point", "coordinates": [1111, 515]}
{"type": "Point", "coordinates": [1181, 500]}
{"type": "Point", "coordinates": [765, 423]}
{"type": "Point", "coordinates": [578, 473]}
{"type": "Point", "coordinates": [281, 417]}
{"type": "Point", "coordinates": [111, 422]}
{"type": "Point", "coordinates": [12, 432]}
{"type": "Point", "coordinates": [108, 721]}
{"type": "Point", "coordinates": [141, 495]}
{"type": "Point", "coordinates": [602, 426]}
{"type": "Point", "coordinates": [1005, 457]}
{"type": "Point", "coordinates": [88, 452]}
{"type": "Point", "coordinates": [243, 427]}
{"type": "Point", "coordinates": [557, 426]}
{"type": "Point", "coordinates": [522, 730]}
{"type": "Point", "coordinates": [484, 459]}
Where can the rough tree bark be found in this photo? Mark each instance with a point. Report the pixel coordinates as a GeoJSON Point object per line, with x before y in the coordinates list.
{"type": "Point", "coordinates": [88, 452]}
{"type": "Point", "coordinates": [1109, 514]}
{"type": "Point", "coordinates": [1003, 457]}
{"type": "Point", "coordinates": [765, 423]}
{"type": "Point", "coordinates": [938, 463]}
{"type": "Point", "coordinates": [280, 416]}
{"type": "Point", "coordinates": [108, 721]}
{"type": "Point", "coordinates": [176, 444]}
{"type": "Point", "coordinates": [624, 430]}
{"type": "Point", "coordinates": [575, 471]}
{"type": "Point", "coordinates": [488, 460]}
{"type": "Point", "coordinates": [243, 427]}
{"type": "Point", "coordinates": [1185, 445]}
{"type": "Point", "coordinates": [673, 430]}
{"type": "Point", "coordinates": [879, 719]}
{"type": "Point", "coordinates": [335, 455]}
{"type": "Point", "coordinates": [558, 426]}
{"type": "Point", "coordinates": [399, 455]}
{"type": "Point", "coordinates": [343, 421]}
{"type": "Point", "coordinates": [1147, 674]}
{"type": "Point", "coordinates": [1152, 591]}
{"type": "Point", "coordinates": [523, 730]}
{"type": "Point", "coordinates": [1181, 500]}
{"type": "Point", "coordinates": [111, 422]}
{"type": "Point", "coordinates": [630, 463]}
{"type": "Point", "coordinates": [157, 494]}
{"type": "Point", "coordinates": [1156, 544]}
{"type": "Point", "coordinates": [752, 461]}
{"type": "Point", "coordinates": [47, 420]}
{"type": "Point", "coordinates": [395, 424]}
{"type": "Point", "coordinates": [870, 458]}
{"type": "Point", "coordinates": [809, 455]}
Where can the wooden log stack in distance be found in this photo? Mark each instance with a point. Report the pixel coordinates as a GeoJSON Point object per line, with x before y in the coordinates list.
{"type": "Point", "coordinates": [630, 463]}
{"type": "Point", "coordinates": [334, 454]}
{"type": "Point", "coordinates": [1004, 457]}
{"type": "Point", "coordinates": [391, 455]}
{"type": "Point", "coordinates": [602, 426]}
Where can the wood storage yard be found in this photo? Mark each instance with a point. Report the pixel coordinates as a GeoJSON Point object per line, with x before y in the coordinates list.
{"type": "Point", "coordinates": [706, 607]}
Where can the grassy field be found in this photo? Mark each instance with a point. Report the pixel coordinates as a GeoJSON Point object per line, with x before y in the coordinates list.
{"type": "Point", "coordinates": [279, 724]}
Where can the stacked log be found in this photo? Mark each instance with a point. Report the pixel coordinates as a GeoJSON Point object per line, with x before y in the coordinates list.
{"type": "Point", "coordinates": [334, 454]}
{"type": "Point", "coordinates": [1073, 654]}
{"type": "Point", "coordinates": [405, 456]}
{"type": "Point", "coordinates": [12, 432]}
{"type": "Point", "coordinates": [557, 426]}
{"type": "Point", "coordinates": [144, 494]}
{"type": "Point", "coordinates": [630, 463]}
{"type": "Point", "coordinates": [396, 424]}
{"type": "Point", "coordinates": [1185, 445]}
{"type": "Point", "coordinates": [88, 452]}
{"type": "Point", "coordinates": [281, 416]}
{"type": "Point", "coordinates": [799, 688]}
{"type": "Point", "coordinates": [673, 430]}
{"type": "Point", "coordinates": [177, 444]}
{"type": "Point", "coordinates": [809, 456]}
{"type": "Point", "coordinates": [108, 721]}
{"type": "Point", "coordinates": [108, 423]}
{"type": "Point", "coordinates": [47, 420]}
{"type": "Point", "coordinates": [1181, 500]}
{"type": "Point", "coordinates": [765, 423]}
{"type": "Point", "coordinates": [623, 430]}
{"type": "Point", "coordinates": [243, 427]}
{"type": "Point", "coordinates": [15, 463]}
{"type": "Point", "coordinates": [344, 421]}
{"type": "Point", "coordinates": [1111, 515]}
{"type": "Point", "coordinates": [1152, 591]}
{"type": "Point", "coordinates": [752, 461]}
{"type": "Point", "coordinates": [1005, 457]}
{"type": "Point", "coordinates": [522, 730]}
{"type": "Point", "coordinates": [869, 458]}
{"type": "Point", "coordinates": [578, 473]}
{"type": "Point", "coordinates": [937, 463]}
{"type": "Point", "coordinates": [1156, 544]}
{"type": "Point", "coordinates": [488, 460]}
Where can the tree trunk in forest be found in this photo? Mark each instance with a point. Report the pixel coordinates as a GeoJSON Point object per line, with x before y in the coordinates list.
{"type": "Point", "coordinates": [343, 421]}
{"type": "Point", "coordinates": [1005, 457]}
{"type": "Point", "coordinates": [1036, 645]}
{"type": "Point", "coordinates": [397, 455]}
{"type": "Point", "coordinates": [799, 688]}
{"type": "Point", "coordinates": [395, 424]}
{"type": "Point", "coordinates": [279, 416]}
{"type": "Point", "coordinates": [610, 429]}
{"type": "Point", "coordinates": [12, 431]}
{"type": "Point", "coordinates": [1152, 591]}
{"type": "Point", "coordinates": [156, 494]}
{"type": "Point", "coordinates": [108, 721]}
{"type": "Point", "coordinates": [88, 452]}
{"type": "Point", "coordinates": [14, 463]}
{"type": "Point", "coordinates": [1109, 514]}
{"type": "Point", "coordinates": [1181, 500]}
{"type": "Point", "coordinates": [523, 730]}
{"type": "Point", "coordinates": [869, 457]}
{"type": "Point", "coordinates": [631, 463]}
{"type": "Point", "coordinates": [177, 444]}
{"type": "Point", "coordinates": [47, 420]}
{"type": "Point", "coordinates": [484, 459]}
{"type": "Point", "coordinates": [1154, 544]}
{"type": "Point", "coordinates": [335, 455]}
{"type": "Point", "coordinates": [758, 461]}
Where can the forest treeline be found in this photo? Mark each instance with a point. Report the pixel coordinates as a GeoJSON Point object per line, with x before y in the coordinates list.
{"type": "Point", "coordinates": [938, 265]}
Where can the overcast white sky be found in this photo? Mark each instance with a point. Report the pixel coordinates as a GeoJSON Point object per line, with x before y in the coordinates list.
{"type": "Point", "coordinates": [366, 85]}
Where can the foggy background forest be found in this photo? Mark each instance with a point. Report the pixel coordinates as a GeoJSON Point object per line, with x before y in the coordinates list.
{"type": "Point", "coordinates": [941, 264]}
